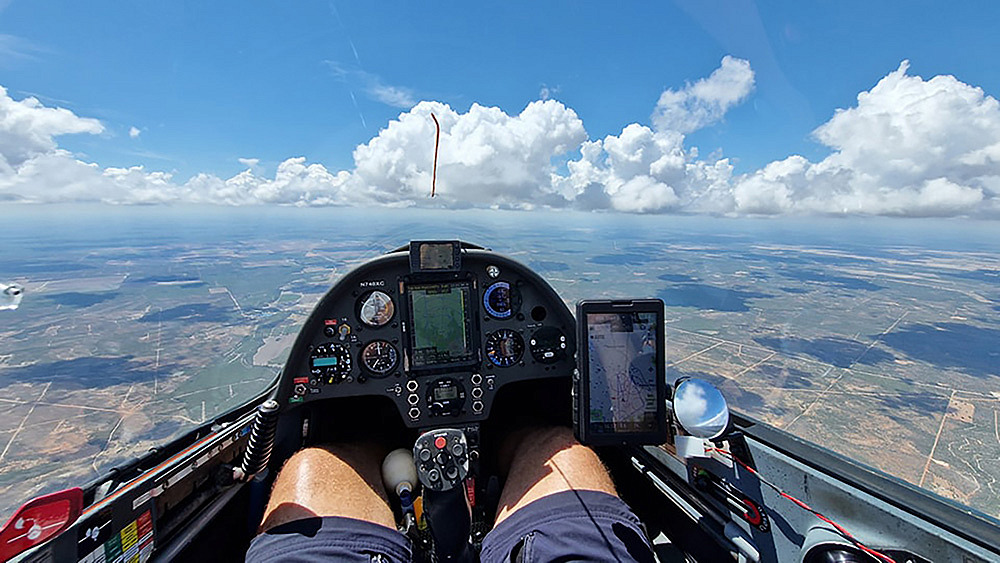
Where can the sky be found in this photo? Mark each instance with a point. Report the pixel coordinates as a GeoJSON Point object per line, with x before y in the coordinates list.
{"type": "Point", "coordinates": [725, 108]}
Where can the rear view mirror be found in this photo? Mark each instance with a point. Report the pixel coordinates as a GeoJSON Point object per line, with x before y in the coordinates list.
{"type": "Point", "coordinates": [38, 520]}
{"type": "Point", "coordinates": [700, 408]}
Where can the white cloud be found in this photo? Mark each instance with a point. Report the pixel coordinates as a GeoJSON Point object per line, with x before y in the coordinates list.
{"type": "Point", "coordinates": [486, 158]}
{"type": "Point", "coordinates": [28, 129]}
{"type": "Point", "coordinates": [707, 100]}
{"type": "Point", "coordinates": [643, 170]}
{"type": "Point", "coordinates": [395, 96]}
{"type": "Point", "coordinates": [910, 147]}
{"type": "Point", "coordinates": [690, 404]}
{"type": "Point", "coordinates": [134, 132]}
{"type": "Point", "coordinates": [392, 95]}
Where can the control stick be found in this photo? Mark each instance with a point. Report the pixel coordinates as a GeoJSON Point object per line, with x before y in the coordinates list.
{"type": "Point", "coordinates": [442, 459]}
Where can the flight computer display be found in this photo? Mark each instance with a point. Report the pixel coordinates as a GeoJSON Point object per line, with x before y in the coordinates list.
{"type": "Point", "coordinates": [440, 331]}
{"type": "Point", "coordinates": [623, 368]}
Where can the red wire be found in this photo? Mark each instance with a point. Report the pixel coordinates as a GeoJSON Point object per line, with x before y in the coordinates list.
{"type": "Point", "coordinates": [875, 554]}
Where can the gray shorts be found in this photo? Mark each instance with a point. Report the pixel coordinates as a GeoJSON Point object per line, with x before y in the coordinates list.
{"type": "Point", "coordinates": [566, 526]}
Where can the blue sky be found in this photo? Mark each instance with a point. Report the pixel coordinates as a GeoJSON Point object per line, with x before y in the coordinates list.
{"type": "Point", "coordinates": [207, 83]}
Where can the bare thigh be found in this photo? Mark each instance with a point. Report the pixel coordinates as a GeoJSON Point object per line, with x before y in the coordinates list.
{"type": "Point", "coordinates": [337, 480]}
{"type": "Point", "coordinates": [545, 461]}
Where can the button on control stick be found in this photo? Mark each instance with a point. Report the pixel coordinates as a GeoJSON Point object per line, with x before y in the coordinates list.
{"type": "Point", "coordinates": [442, 465]}
{"type": "Point", "coordinates": [445, 451]}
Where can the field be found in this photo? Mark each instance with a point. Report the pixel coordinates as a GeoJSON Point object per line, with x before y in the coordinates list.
{"type": "Point", "coordinates": [876, 339]}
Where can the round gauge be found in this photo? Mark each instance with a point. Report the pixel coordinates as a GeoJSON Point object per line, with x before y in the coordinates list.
{"type": "Point", "coordinates": [330, 362]}
{"type": "Point", "coordinates": [504, 347]}
{"type": "Point", "coordinates": [548, 345]}
{"type": "Point", "coordinates": [379, 357]}
{"type": "Point", "coordinates": [501, 300]}
{"type": "Point", "coordinates": [376, 309]}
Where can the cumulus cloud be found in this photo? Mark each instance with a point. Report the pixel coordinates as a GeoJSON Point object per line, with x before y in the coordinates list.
{"type": "Point", "coordinates": [486, 158]}
{"type": "Point", "coordinates": [28, 129]}
{"type": "Point", "coordinates": [707, 100]}
{"type": "Point", "coordinates": [134, 132]}
{"type": "Point", "coordinates": [909, 146]}
{"type": "Point", "coordinates": [646, 170]}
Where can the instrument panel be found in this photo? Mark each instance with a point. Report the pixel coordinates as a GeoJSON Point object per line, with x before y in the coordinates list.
{"type": "Point", "coordinates": [438, 343]}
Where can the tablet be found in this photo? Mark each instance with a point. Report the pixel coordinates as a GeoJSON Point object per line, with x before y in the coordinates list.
{"type": "Point", "coordinates": [620, 384]}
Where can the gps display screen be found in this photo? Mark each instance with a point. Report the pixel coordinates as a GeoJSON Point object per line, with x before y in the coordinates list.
{"type": "Point", "coordinates": [440, 315]}
{"type": "Point", "coordinates": [622, 351]}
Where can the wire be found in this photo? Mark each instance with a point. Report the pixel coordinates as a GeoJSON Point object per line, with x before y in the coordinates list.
{"type": "Point", "coordinates": [878, 556]}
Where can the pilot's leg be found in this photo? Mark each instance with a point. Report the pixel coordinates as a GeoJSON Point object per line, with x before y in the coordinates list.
{"type": "Point", "coordinates": [329, 503]}
{"type": "Point", "coordinates": [559, 503]}
{"type": "Point", "coordinates": [338, 480]}
{"type": "Point", "coordinates": [545, 461]}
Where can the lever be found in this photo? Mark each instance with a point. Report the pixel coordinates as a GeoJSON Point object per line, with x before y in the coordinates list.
{"type": "Point", "coordinates": [400, 477]}
{"type": "Point", "coordinates": [442, 459]}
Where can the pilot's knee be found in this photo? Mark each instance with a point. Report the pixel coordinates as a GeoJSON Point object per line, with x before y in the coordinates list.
{"type": "Point", "coordinates": [549, 439]}
{"type": "Point", "coordinates": [315, 462]}
{"type": "Point", "coordinates": [308, 457]}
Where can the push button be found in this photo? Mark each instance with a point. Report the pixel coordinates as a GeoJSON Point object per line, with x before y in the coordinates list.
{"type": "Point", "coordinates": [440, 442]}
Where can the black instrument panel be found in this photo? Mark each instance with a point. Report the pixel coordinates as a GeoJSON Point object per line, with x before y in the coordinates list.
{"type": "Point", "coordinates": [438, 344]}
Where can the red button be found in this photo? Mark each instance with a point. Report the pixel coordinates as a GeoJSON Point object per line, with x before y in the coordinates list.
{"type": "Point", "coordinates": [440, 442]}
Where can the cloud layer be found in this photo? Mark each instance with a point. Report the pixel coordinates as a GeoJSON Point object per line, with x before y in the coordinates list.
{"type": "Point", "coordinates": [909, 146]}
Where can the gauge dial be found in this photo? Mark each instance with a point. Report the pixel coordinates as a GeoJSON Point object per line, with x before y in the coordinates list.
{"type": "Point", "coordinates": [376, 309]}
{"type": "Point", "coordinates": [501, 300]}
{"type": "Point", "coordinates": [330, 362]}
{"type": "Point", "coordinates": [548, 345]}
{"type": "Point", "coordinates": [379, 357]}
{"type": "Point", "coordinates": [504, 347]}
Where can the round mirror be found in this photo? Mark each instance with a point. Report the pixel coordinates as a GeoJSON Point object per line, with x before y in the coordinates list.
{"type": "Point", "coordinates": [700, 408]}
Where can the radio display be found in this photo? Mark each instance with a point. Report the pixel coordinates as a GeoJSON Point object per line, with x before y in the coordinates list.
{"type": "Point", "coordinates": [445, 393]}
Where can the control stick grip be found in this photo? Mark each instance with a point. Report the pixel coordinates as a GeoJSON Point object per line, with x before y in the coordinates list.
{"type": "Point", "coordinates": [442, 462]}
